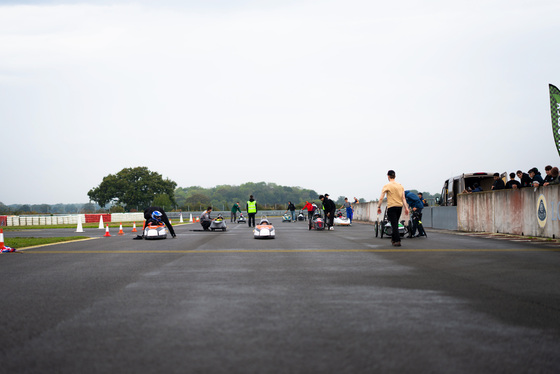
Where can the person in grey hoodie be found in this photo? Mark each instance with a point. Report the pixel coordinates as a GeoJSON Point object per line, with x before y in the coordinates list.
{"type": "Point", "coordinates": [205, 219]}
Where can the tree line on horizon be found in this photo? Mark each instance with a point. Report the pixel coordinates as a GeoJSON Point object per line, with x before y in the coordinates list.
{"type": "Point", "coordinates": [222, 197]}
{"type": "Point", "coordinates": [134, 189]}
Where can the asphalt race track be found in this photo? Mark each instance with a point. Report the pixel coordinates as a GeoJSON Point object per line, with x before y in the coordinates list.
{"type": "Point", "coordinates": [305, 302]}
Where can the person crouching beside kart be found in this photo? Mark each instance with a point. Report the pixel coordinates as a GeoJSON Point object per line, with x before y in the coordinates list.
{"type": "Point", "coordinates": [205, 219]}
{"type": "Point", "coordinates": [416, 205]}
{"type": "Point", "coordinates": [156, 215]}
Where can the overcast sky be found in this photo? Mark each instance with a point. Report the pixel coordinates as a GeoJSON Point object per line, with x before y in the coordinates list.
{"type": "Point", "coordinates": [326, 95]}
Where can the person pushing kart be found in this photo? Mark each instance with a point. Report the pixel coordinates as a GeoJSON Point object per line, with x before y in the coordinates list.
{"type": "Point", "coordinates": [156, 215]}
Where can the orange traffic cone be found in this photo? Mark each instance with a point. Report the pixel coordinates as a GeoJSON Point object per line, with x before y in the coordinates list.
{"type": "Point", "coordinates": [107, 231]}
{"type": "Point", "coordinates": [197, 219]}
{"type": "Point", "coordinates": [134, 227]}
{"type": "Point", "coordinates": [120, 230]}
{"type": "Point", "coordinates": [2, 246]}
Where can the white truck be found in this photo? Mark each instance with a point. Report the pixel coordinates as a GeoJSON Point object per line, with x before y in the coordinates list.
{"type": "Point", "coordinates": [461, 183]}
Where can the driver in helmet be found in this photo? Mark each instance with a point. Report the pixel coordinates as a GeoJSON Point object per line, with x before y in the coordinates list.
{"type": "Point", "coordinates": [156, 215]}
{"type": "Point", "coordinates": [155, 219]}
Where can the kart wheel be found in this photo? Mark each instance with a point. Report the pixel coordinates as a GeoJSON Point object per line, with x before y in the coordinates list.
{"type": "Point", "coordinates": [224, 229]}
{"type": "Point", "coordinates": [376, 229]}
{"type": "Point", "coordinates": [382, 230]}
{"type": "Point", "coordinates": [408, 229]}
{"type": "Point", "coordinates": [422, 231]}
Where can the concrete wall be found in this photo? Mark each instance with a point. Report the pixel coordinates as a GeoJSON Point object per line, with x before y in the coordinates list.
{"type": "Point", "coordinates": [440, 217]}
{"type": "Point", "coordinates": [432, 217]}
{"type": "Point", "coordinates": [512, 211]}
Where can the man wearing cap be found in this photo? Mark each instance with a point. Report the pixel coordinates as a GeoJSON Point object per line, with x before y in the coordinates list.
{"type": "Point", "coordinates": [395, 203]}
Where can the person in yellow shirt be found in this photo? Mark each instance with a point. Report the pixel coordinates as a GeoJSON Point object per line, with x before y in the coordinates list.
{"type": "Point", "coordinates": [395, 203]}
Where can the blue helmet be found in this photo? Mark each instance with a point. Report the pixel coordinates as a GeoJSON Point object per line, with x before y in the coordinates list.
{"type": "Point", "coordinates": [156, 215]}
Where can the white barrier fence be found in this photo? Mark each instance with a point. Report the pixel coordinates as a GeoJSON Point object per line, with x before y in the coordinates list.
{"type": "Point", "coordinates": [43, 220]}
{"type": "Point", "coordinates": [67, 220]}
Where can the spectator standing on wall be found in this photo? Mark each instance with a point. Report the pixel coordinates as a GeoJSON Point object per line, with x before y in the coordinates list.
{"type": "Point", "coordinates": [554, 175]}
{"type": "Point", "coordinates": [512, 183]}
{"type": "Point", "coordinates": [395, 203]}
{"type": "Point", "coordinates": [524, 178]}
{"type": "Point", "coordinates": [547, 177]}
{"type": "Point", "coordinates": [536, 177]}
{"type": "Point", "coordinates": [498, 182]}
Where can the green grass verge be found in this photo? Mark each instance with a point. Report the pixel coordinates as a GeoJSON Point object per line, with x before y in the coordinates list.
{"type": "Point", "coordinates": [19, 243]}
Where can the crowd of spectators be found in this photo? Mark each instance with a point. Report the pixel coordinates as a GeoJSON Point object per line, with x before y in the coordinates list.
{"type": "Point", "coordinates": [532, 178]}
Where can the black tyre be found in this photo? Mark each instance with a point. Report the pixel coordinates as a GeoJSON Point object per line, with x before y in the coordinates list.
{"type": "Point", "coordinates": [382, 230]}
{"type": "Point", "coordinates": [376, 229]}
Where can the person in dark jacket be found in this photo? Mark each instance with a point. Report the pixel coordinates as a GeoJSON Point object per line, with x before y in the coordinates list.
{"type": "Point", "coordinates": [547, 177]}
{"type": "Point", "coordinates": [498, 182]}
{"type": "Point", "coordinates": [424, 201]}
{"type": "Point", "coordinates": [476, 188]}
{"type": "Point", "coordinates": [512, 183]}
{"type": "Point", "coordinates": [416, 205]}
{"type": "Point", "coordinates": [292, 209]}
{"type": "Point", "coordinates": [156, 214]}
{"type": "Point", "coordinates": [330, 208]}
{"type": "Point", "coordinates": [554, 177]}
{"type": "Point", "coordinates": [536, 177]}
{"type": "Point", "coordinates": [524, 178]}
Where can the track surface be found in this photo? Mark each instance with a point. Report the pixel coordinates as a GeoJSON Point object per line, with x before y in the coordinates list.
{"type": "Point", "coordinates": [306, 302]}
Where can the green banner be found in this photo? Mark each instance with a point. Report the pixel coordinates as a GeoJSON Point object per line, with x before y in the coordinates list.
{"type": "Point", "coordinates": [555, 113]}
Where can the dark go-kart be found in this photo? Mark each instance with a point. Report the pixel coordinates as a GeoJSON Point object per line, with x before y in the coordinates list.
{"type": "Point", "coordinates": [384, 228]}
{"type": "Point", "coordinates": [317, 222]}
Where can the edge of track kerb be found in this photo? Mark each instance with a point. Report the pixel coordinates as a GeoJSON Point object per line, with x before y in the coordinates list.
{"type": "Point", "coordinates": [51, 244]}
